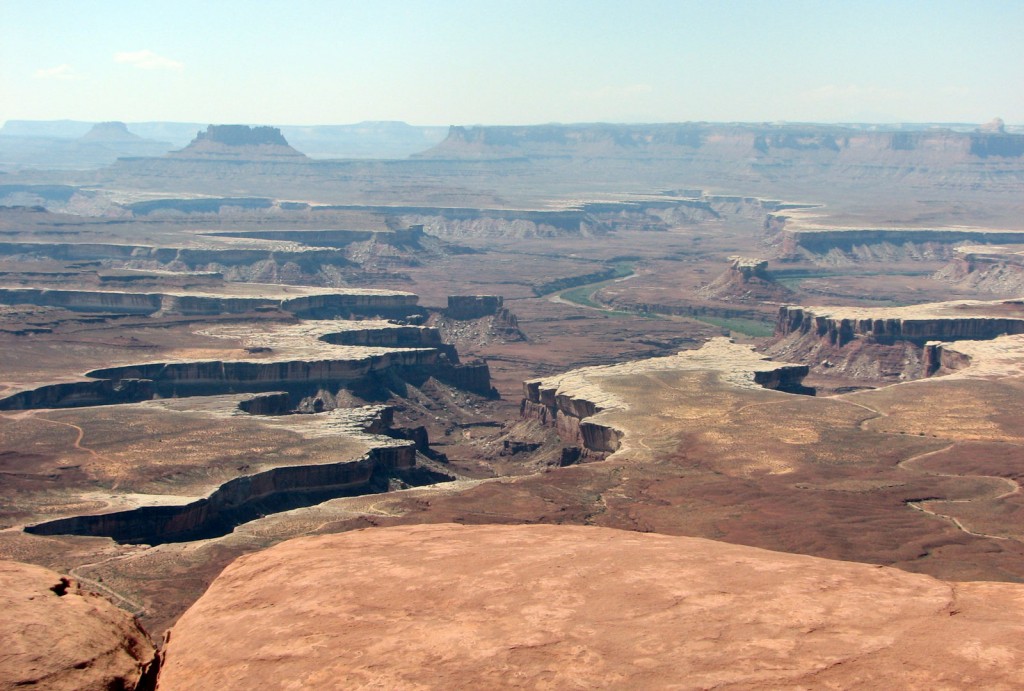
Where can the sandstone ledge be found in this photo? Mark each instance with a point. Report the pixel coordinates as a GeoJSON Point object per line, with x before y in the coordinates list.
{"type": "Point", "coordinates": [445, 606]}
{"type": "Point", "coordinates": [58, 637]}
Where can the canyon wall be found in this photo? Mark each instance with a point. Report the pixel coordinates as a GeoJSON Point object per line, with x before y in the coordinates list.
{"type": "Point", "coordinates": [886, 243]}
{"type": "Point", "coordinates": [238, 500]}
{"type": "Point", "coordinates": [321, 304]}
{"type": "Point", "coordinates": [572, 402]}
{"type": "Point", "coordinates": [838, 329]}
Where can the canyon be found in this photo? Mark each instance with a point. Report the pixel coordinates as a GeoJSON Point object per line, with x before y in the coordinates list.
{"type": "Point", "coordinates": [609, 357]}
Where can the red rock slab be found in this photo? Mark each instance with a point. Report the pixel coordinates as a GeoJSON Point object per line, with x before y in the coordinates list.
{"type": "Point", "coordinates": [558, 607]}
{"type": "Point", "coordinates": [56, 636]}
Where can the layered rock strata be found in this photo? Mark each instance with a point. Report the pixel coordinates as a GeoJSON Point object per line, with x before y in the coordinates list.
{"type": "Point", "coordinates": [746, 280]}
{"type": "Point", "coordinates": [880, 244]}
{"type": "Point", "coordinates": [890, 342]}
{"type": "Point", "coordinates": [1001, 356]}
{"type": "Point", "coordinates": [59, 636]}
{"type": "Point", "coordinates": [961, 320]}
{"type": "Point", "coordinates": [571, 402]}
{"type": "Point", "coordinates": [544, 606]}
{"type": "Point", "coordinates": [992, 269]}
{"type": "Point", "coordinates": [473, 306]}
{"type": "Point", "coordinates": [320, 353]}
{"type": "Point", "coordinates": [234, 300]}
{"type": "Point", "coordinates": [367, 454]}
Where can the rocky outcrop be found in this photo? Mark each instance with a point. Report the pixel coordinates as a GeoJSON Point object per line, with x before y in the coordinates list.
{"type": "Point", "coordinates": [1002, 356]}
{"type": "Point", "coordinates": [572, 402]}
{"type": "Point", "coordinates": [992, 269]}
{"type": "Point", "coordinates": [839, 326]}
{"type": "Point", "coordinates": [746, 280]}
{"type": "Point", "coordinates": [58, 636]}
{"type": "Point", "coordinates": [558, 606]}
{"type": "Point", "coordinates": [455, 223]}
{"type": "Point", "coordinates": [887, 343]}
{"type": "Point", "coordinates": [473, 306]}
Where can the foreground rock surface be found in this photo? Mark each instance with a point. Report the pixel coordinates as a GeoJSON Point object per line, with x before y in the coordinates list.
{"type": "Point", "coordinates": [57, 637]}
{"type": "Point", "coordinates": [446, 606]}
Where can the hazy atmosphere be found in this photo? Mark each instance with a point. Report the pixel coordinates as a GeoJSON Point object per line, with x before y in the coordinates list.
{"type": "Point", "coordinates": [550, 344]}
{"type": "Point", "coordinates": [523, 62]}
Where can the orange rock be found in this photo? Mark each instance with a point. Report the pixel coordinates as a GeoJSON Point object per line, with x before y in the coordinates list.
{"type": "Point", "coordinates": [541, 606]}
{"type": "Point", "coordinates": [55, 636]}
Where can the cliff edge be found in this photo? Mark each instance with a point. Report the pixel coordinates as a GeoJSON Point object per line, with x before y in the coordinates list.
{"type": "Point", "coordinates": [544, 606]}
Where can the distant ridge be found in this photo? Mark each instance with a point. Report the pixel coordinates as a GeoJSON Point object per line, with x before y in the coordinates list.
{"type": "Point", "coordinates": [820, 143]}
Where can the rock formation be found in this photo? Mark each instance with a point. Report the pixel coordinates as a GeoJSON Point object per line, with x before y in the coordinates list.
{"type": "Point", "coordinates": [239, 142]}
{"type": "Point", "coordinates": [58, 636]}
{"type": "Point", "coordinates": [831, 245]}
{"type": "Point", "coordinates": [887, 342]}
{"type": "Point", "coordinates": [473, 306]}
{"type": "Point", "coordinates": [746, 280]}
{"type": "Point", "coordinates": [319, 353]}
{"type": "Point", "coordinates": [541, 606]}
{"type": "Point", "coordinates": [110, 132]}
{"type": "Point", "coordinates": [234, 299]}
{"type": "Point", "coordinates": [571, 402]}
{"type": "Point", "coordinates": [988, 268]}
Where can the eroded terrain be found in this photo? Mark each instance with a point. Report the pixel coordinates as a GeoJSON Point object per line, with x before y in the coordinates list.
{"type": "Point", "coordinates": [693, 335]}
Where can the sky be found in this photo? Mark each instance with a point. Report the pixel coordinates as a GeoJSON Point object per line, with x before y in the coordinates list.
{"type": "Point", "coordinates": [444, 62]}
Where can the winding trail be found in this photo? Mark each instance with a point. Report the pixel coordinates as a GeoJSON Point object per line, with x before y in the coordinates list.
{"type": "Point", "coordinates": [920, 505]}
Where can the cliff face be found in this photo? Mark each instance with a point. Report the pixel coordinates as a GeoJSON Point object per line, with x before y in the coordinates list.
{"type": "Point", "coordinates": [837, 329]}
{"type": "Point", "coordinates": [885, 243]}
{"type": "Point", "coordinates": [887, 343]}
{"type": "Point", "coordinates": [994, 269]}
{"type": "Point", "coordinates": [320, 353]}
{"type": "Point", "coordinates": [572, 402]}
{"type": "Point", "coordinates": [240, 500]}
{"type": "Point", "coordinates": [473, 306]}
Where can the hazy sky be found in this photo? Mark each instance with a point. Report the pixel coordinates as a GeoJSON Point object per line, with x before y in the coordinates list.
{"type": "Point", "coordinates": [517, 62]}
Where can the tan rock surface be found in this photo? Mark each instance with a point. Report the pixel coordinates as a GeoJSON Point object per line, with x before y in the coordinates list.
{"type": "Point", "coordinates": [56, 636]}
{"type": "Point", "coordinates": [446, 606]}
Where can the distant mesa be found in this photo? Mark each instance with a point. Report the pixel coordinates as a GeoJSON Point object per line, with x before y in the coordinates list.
{"type": "Point", "coordinates": [994, 126]}
{"type": "Point", "coordinates": [110, 132]}
{"type": "Point", "coordinates": [240, 142]}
